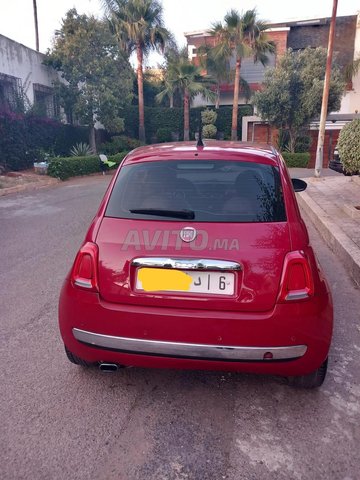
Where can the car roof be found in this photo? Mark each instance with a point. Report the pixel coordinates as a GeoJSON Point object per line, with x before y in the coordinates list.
{"type": "Point", "coordinates": [212, 150]}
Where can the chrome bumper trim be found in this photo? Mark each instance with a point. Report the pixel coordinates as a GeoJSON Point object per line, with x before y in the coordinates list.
{"type": "Point", "coordinates": [187, 350]}
{"type": "Point", "coordinates": [186, 263]}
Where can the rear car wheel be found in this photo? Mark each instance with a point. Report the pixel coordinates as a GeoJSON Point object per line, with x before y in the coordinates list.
{"type": "Point", "coordinates": [312, 380]}
{"type": "Point", "coordinates": [76, 360]}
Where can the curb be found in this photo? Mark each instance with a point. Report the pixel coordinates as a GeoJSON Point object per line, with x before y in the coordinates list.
{"type": "Point", "coordinates": [337, 240]}
{"type": "Point", "coordinates": [29, 186]}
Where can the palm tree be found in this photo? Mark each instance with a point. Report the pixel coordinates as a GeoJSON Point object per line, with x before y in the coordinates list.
{"type": "Point", "coordinates": [242, 34]}
{"type": "Point", "coordinates": [216, 66]}
{"type": "Point", "coordinates": [139, 27]}
{"type": "Point", "coordinates": [219, 69]}
{"type": "Point", "coordinates": [172, 57]}
{"type": "Point", "coordinates": [352, 69]}
{"type": "Point", "coordinates": [185, 77]}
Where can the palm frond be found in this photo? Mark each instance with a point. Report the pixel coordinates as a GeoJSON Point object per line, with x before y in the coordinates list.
{"type": "Point", "coordinates": [352, 69]}
{"type": "Point", "coordinates": [232, 19]}
{"type": "Point", "coordinates": [245, 89]}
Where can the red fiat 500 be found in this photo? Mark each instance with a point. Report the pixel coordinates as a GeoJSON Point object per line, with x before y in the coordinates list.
{"type": "Point", "coordinates": [198, 258]}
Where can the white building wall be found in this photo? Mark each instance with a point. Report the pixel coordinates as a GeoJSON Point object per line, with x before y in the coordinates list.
{"type": "Point", "coordinates": [24, 63]}
{"type": "Point", "coordinates": [351, 100]}
{"type": "Point", "coordinates": [226, 98]}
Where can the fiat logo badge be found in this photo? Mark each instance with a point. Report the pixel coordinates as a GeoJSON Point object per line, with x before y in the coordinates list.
{"type": "Point", "coordinates": [188, 234]}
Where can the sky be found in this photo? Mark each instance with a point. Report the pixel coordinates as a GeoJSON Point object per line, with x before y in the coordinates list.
{"type": "Point", "coordinates": [17, 21]}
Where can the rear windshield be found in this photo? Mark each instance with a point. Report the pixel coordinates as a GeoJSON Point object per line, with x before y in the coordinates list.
{"type": "Point", "coordinates": [206, 191]}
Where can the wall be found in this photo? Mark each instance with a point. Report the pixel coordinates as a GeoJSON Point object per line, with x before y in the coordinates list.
{"type": "Point", "coordinates": [279, 36]}
{"type": "Point", "coordinates": [330, 141]}
{"type": "Point", "coordinates": [255, 130]}
{"type": "Point", "coordinates": [351, 101]}
{"type": "Point", "coordinates": [24, 63]}
{"type": "Point", "coordinates": [226, 98]}
{"type": "Point", "coordinates": [302, 35]}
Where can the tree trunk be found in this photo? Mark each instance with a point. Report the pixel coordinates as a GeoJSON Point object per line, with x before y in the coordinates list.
{"type": "Point", "coordinates": [92, 139]}
{"type": "Point", "coordinates": [234, 121]}
{"type": "Point", "coordinates": [186, 116]}
{"type": "Point", "coordinates": [171, 98]}
{"type": "Point", "coordinates": [140, 80]}
{"type": "Point", "coordinates": [292, 140]}
{"type": "Point", "coordinates": [217, 101]}
{"type": "Point", "coordinates": [36, 26]}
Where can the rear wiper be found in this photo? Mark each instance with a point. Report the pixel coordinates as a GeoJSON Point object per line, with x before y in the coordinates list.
{"type": "Point", "coordinates": [165, 213]}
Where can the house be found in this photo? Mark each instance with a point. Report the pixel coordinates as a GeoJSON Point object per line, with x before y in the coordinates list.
{"type": "Point", "coordinates": [252, 72]}
{"type": "Point", "coordinates": [296, 35]}
{"type": "Point", "coordinates": [23, 77]}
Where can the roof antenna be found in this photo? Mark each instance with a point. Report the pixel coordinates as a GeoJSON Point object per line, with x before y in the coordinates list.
{"type": "Point", "coordinates": [200, 143]}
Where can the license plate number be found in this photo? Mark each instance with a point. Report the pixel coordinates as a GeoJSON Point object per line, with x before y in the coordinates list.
{"type": "Point", "coordinates": [188, 281]}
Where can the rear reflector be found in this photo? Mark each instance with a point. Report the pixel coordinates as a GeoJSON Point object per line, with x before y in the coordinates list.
{"type": "Point", "coordinates": [85, 268]}
{"type": "Point", "coordinates": [84, 272]}
{"type": "Point", "coordinates": [296, 282]}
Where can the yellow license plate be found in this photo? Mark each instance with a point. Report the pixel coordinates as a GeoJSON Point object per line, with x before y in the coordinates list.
{"type": "Point", "coordinates": [192, 281]}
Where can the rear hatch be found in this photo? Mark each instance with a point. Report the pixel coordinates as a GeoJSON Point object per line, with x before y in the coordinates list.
{"type": "Point", "coordinates": [221, 224]}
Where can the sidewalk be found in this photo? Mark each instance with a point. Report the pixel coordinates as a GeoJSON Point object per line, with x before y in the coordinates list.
{"type": "Point", "coordinates": [24, 181]}
{"type": "Point", "coordinates": [332, 202]}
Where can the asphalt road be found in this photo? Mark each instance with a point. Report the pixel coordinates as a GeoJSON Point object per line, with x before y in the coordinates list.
{"type": "Point", "coordinates": [59, 421]}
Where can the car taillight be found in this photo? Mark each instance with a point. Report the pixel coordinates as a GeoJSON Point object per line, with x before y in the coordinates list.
{"type": "Point", "coordinates": [296, 281]}
{"type": "Point", "coordinates": [84, 272]}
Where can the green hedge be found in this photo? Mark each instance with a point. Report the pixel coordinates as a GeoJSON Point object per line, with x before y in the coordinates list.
{"type": "Point", "coordinates": [157, 118]}
{"type": "Point", "coordinates": [118, 143]}
{"type": "Point", "coordinates": [66, 167]}
{"type": "Point", "coordinates": [300, 160]}
{"type": "Point", "coordinates": [349, 146]}
{"type": "Point", "coordinates": [23, 137]}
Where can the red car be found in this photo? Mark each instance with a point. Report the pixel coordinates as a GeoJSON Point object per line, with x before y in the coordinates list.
{"type": "Point", "coordinates": [198, 258]}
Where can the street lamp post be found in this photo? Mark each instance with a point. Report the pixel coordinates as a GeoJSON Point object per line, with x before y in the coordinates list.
{"type": "Point", "coordinates": [321, 137]}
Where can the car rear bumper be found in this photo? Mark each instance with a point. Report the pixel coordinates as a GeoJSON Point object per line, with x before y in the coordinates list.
{"type": "Point", "coordinates": [298, 335]}
{"type": "Point", "coordinates": [228, 353]}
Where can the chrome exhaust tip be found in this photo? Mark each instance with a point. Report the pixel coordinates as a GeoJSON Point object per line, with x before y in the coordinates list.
{"type": "Point", "coordinates": [108, 367]}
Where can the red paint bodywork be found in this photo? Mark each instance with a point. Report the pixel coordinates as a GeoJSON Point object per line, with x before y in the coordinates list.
{"type": "Point", "coordinates": [254, 316]}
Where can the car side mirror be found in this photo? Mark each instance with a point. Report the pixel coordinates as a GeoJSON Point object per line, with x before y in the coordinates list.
{"type": "Point", "coordinates": [298, 185]}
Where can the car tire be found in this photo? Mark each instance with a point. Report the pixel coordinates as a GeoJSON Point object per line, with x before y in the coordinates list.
{"type": "Point", "coordinates": [312, 380]}
{"type": "Point", "coordinates": [76, 360]}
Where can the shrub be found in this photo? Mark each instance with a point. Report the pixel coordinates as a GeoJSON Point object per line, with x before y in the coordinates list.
{"type": "Point", "coordinates": [66, 167]}
{"type": "Point", "coordinates": [119, 143]}
{"type": "Point", "coordinates": [68, 135]}
{"type": "Point", "coordinates": [302, 144]}
{"type": "Point", "coordinates": [208, 117]}
{"type": "Point", "coordinates": [209, 131]}
{"type": "Point", "coordinates": [24, 137]}
{"type": "Point", "coordinates": [300, 160]}
{"type": "Point", "coordinates": [118, 158]}
{"type": "Point", "coordinates": [223, 121]}
{"type": "Point", "coordinates": [349, 146]}
{"type": "Point", "coordinates": [81, 150]}
{"type": "Point", "coordinates": [163, 135]}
